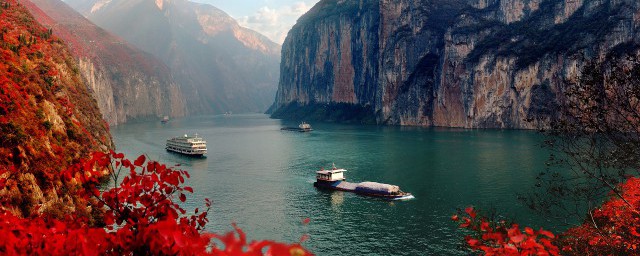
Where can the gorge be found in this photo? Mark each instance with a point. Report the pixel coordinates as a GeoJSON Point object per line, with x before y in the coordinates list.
{"type": "Point", "coordinates": [127, 82]}
{"type": "Point", "coordinates": [462, 63]}
{"type": "Point", "coordinates": [219, 65]}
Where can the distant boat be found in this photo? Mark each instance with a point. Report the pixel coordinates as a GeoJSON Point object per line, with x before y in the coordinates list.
{"type": "Point", "coordinates": [305, 127]}
{"type": "Point", "coordinates": [228, 113]}
{"type": "Point", "coordinates": [302, 127]}
{"type": "Point", "coordinates": [165, 119]}
{"type": "Point", "coordinates": [334, 179]}
{"type": "Point", "coordinates": [187, 145]}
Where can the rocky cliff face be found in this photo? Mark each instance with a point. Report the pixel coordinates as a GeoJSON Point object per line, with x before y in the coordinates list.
{"type": "Point", "coordinates": [463, 63]}
{"type": "Point", "coordinates": [220, 65]}
{"type": "Point", "coordinates": [127, 83]}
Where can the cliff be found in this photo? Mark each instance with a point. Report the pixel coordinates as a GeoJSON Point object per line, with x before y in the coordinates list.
{"type": "Point", "coordinates": [220, 65]}
{"type": "Point", "coordinates": [127, 83]}
{"type": "Point", "coordinates": [48, 118]}
{"type": "Point", "coordinates": [463, 63]}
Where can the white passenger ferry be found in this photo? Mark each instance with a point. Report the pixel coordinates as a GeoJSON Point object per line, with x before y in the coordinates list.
{"type": "Point", "coordinates": [188, 145]}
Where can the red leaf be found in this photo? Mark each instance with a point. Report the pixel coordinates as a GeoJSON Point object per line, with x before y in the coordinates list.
{"type": "Point", "coordinates": [470, 211]}
{"type": "Point", "coordinates": [140, 160]}
{"type": "Point", "coordinates": [528, 230]}
{"type": "Point", "coordinates": [473, 242]}
{"type": "Point", "coordinates": [306, 221]}
{"type": "Point", "coordinates": [304, 237]}
{"type": "Point", "coordinates": [518, 238]}
{"type": "Point", "coordinates": [183, 197]}
{"type": "Point", "coordinates": [484, 226]}
{"type": "Point", "coordinates": [188, 189]}
{"type": "Point", "coordinates": [546, 233]}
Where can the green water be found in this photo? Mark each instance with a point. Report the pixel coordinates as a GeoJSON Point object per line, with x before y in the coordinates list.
{"type": "Point", "coordinates": [261, 178]}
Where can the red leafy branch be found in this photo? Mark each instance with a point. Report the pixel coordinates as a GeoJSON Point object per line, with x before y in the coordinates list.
{"type": "Point", "coordinates": [140, 217]}
{"type": "Point", "coordinates": [499, 238]}
{"type": "Point", "coordinates": [613, 229]}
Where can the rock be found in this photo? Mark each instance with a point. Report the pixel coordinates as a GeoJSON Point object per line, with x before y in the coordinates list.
{"type": "Point", "coordinates": [464, 63]}
{"type": "Point", "coordinates": [219, 65]}
{"type": "Point", "coordinates": [126, 82]}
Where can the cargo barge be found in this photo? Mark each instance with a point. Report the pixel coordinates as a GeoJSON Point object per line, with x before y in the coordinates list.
{"type": "Point", "coordinates": [334, 179]}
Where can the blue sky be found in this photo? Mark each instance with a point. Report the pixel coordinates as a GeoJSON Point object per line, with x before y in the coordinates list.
{"type": "Point", "coordinates": [272, 18]}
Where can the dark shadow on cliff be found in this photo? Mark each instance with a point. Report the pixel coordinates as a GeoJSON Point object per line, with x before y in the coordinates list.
{"type": "Point", "coordinates": [327, 112]}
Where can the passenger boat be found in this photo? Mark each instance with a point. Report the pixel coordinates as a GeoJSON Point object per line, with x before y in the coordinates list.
{"type": "Point", "coordinates": [334, 179]}
{"type": "Point", "coordinates": [165, 119]}
{"type": "Point", "coordinates": [187, 145]}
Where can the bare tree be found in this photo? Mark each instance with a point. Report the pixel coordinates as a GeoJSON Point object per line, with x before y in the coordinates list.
{"type": "Point", "coordinates": [595, 141]}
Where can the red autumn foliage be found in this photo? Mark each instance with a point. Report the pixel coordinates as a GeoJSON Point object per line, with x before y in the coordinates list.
{"type": "Point", "coordinates": [614, 229]}
{"type": "Point", "coordinates": [48, 119]}
{"type": "Point", "coordinates": [500, 238]}
{"type": "Point", "coordinates": [50, 199]}
{"type": "Point", "coordinates": [140, 217]}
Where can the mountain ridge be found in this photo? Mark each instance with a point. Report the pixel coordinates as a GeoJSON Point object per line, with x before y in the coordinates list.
{"type": "Point", "coordinates": [220, 65]}
{"type": "Point", "coordinates": [128, 83]}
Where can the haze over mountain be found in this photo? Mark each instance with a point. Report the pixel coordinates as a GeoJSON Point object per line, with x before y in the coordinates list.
{"type": "Point", "coordinates": [127, 83]}
{"type": "Point", "coordinates": [220, 65]}
{"type": "Point", "coordinates": [461, 63]}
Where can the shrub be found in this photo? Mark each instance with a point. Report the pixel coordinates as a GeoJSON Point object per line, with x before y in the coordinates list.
{"type": "Point", "coordinates": [501, 238]}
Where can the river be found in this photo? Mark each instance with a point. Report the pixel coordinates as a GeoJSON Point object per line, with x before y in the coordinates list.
{"type": "Point", "coordinates": [262, 179]}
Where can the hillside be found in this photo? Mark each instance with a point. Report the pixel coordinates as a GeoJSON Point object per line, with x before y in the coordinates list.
{"type": "Point", "coordinates": [463, 63]}
{"type": "Point", "coordinates": [220, 65]}
{"type": "Point", "coordinates": [127, 82]}
{"type": "Point", "coordinates": [48, 118]}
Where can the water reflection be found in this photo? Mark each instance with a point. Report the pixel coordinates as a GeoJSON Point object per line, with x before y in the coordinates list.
{"type": "Point", "coordinates": [337, 198]}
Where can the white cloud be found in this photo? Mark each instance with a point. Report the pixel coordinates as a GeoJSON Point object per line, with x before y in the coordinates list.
{"type": "Point", "coordinates": [276, 22]}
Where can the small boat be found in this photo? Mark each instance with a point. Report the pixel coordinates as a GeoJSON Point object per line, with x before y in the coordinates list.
{"type": "Point", "coordinates": [187, 145]}
{"type": "Point", "coordinates": [302, 127]}
{"type": "Point", "coordinates": [334, 179]}
{"type": "Point", "coordinates": [165, 119]}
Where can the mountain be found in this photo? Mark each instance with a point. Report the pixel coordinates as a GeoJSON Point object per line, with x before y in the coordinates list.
{"type": "Point", "coordinates": [48, 118]}
{"type": "Point", "coordinates": [127, 82]}
{"type": "Point", "coordinates": [220, 65]}
{"type": "Point", "coordinates": [459, 63]}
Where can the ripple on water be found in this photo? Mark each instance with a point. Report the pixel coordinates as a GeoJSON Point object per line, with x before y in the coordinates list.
{"type": "Point", "coordinates": [261, 178]}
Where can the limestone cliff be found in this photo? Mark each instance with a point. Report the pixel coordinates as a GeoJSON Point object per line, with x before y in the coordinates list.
{"type": "Point", "coordinates": [127, 83]}
{"type": "Point", "coordinates": [220, 65]}
{"type": "Point", "coordinates": [461, 63]}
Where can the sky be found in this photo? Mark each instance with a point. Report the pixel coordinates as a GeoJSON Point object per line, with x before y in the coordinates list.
{"type": "Point", "coordinates": [272, 18]}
